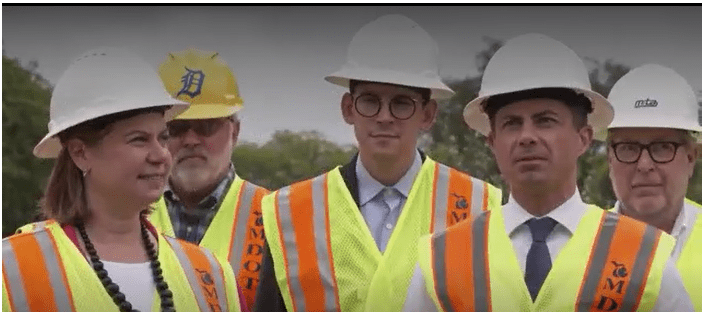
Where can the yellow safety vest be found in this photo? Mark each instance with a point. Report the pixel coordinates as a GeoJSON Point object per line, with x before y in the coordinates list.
{"type": "Point", "coordinates": [689, 262]}
{"type": "Point", "coordinates": [236, 232]}
{"type": "Point", "coordinates": [611, 263]}
{"type": "Point", "coordinates": [325, 258]}
{"type": "Point", "coordinates": [43, 270]}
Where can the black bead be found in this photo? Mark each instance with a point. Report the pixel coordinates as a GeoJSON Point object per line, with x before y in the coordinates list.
{"type": "Point", "coordinates": [161, 286]}
{"type": "Point", "coordinates": [97, 265]}
{"type": "Point", "coordinates": [101, 274]}
{"type": "Point", "coordinates": [112, 288]}
{"type": "Point", "coordinates": [125, 306]}
{"type": "Point", "coordinates": [166, 293]}
{"type": "Point", "coordinates": [167, 302]}
{"type": "Point", "coordinates": [119, 297]}
{"type": "Point", "coordinates": [155, 264]}
{"type": "Point", "coordinates": [106, 280]}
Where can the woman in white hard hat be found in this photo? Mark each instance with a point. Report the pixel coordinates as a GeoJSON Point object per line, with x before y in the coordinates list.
{"type": "Point", "coordinates": [97, 251]}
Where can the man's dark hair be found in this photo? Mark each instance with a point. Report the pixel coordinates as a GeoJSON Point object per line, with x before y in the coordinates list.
{"type": "Point", "coordinates": [424, 92]}
{"type": "Point", "coordinates": [578, 103]}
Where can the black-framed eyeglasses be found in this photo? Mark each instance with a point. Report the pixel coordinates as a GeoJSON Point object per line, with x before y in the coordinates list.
{"type": "Point", "coordinates": [660, 152]}
{"type": "Point", "coordinates": [369, 105]}
{"type": "Point", "coordinates": [202, 127]}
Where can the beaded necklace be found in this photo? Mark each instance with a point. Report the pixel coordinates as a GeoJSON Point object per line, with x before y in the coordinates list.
{"type": "Point", "coordinates": [167, 303]}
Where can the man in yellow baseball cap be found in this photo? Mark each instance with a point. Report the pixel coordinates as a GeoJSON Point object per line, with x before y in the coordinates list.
{"type": "Point", "coordinates": [205, 202]}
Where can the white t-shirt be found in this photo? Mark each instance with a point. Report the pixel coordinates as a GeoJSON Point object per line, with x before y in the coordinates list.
{"type": "Point", "coordinates": [135, 281]}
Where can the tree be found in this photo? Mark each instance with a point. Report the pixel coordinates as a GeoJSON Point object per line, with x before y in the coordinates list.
{"type": "Point", "coordinates": [25, 111]}
{"type": "Point", "coordinates": [288, 157]}
{"type": "Point", "coordinates": [452, 142]}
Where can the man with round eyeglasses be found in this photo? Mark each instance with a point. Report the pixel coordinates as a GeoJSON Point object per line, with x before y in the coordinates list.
{"type": "Point", "coordinates": [346, 240]}
{"type": "Point", "coordinates": [653, 144]}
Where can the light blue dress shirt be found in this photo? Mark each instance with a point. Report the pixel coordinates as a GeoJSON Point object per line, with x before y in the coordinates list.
{"type": "Point", "coordinates": [381, 205]}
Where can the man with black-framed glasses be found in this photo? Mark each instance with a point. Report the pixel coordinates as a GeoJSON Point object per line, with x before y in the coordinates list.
{"type": "Point", "coordinates": [205, 201]}
{"type": "Point", "coordinates": [653, 144]}
{"type": "Point", "coordinates": [347, 239]}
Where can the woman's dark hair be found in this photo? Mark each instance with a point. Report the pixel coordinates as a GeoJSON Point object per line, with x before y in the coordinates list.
{"type": "Point", "coordinates": [64, 198]}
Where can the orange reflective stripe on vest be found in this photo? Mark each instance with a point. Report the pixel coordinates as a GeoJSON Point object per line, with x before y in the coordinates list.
{"type": "Point", "coordinates": [41, 268]}
{"type": "Point", "coordinates": [617, 272]}
{"type": "Point", "coordinates": [247, 239]}
{"type": "Point", "coordinates": [456, 196]}
{"type": "Point", "coordinates": [202, 272]}
{"type": "Point", "coordinates": [453, 292]}
{"type": "Point", "coordinates": [310, 273]}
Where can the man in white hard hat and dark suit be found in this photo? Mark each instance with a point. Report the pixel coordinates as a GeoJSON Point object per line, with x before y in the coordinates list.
{"type": "Point", "coordinates": [346, 240]}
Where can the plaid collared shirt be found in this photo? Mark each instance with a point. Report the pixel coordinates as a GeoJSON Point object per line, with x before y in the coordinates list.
{"type": "Point", "coordinates": [191, 224]}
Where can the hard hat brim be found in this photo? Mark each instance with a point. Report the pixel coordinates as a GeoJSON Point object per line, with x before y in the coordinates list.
{"type": "Point", "coordinates": [438, 90]}
{"type": "Point", "coordinates": [208, 111]}
{"type": "Point", "coordinates": [645, 122]}
{"type": "Point", "coordinates": [50, 145]}
{"type": "Point", "coordinates": [599, 119]}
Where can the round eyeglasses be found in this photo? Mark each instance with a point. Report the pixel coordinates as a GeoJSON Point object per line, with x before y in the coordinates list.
{"type": "Point", "coordinates": [369, 105]}
{"type": "Point", "coordinates": [661, 152]}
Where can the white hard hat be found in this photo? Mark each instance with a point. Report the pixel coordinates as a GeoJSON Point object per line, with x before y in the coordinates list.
{"type": "Point", "coordinates": [393, 49]}
{"type": "Point", "coordinates": [653, 96]}
{"type": "Point", "coordinates": [101, 82]}
{"type": "Point", "coordinates": [534, 61]}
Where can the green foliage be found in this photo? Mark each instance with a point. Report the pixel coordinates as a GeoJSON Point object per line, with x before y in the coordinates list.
{"type": "Point", "coordinates": [453, 143]}
{"type": "Point", "coordinates": [25, 111]}
{"type": "Point", "coordinates": [288, 157]}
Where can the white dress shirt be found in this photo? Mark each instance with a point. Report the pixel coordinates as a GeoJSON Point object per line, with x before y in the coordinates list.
{"type": "Point", "coordinates": [672, 296]}
{"type": "Point", "coordinates": [684, 224]}
{"type": "Point", "coordinates": [381, 205]}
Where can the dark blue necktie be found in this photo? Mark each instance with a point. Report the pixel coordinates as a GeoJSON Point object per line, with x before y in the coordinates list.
{"type": "Point", "coordinates": [538, 261]}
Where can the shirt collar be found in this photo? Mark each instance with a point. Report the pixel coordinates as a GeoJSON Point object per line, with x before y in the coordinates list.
{"type": "Point", "coordinates": [369, 187]}
{"type": "Point", "coordinates": [685, 218]}
{"type": "Point", "coordinates": [568, 214]}
{"type": "Point", "coordinates": [213, 198]}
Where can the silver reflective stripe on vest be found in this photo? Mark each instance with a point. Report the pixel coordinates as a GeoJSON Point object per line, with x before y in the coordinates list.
{"type": "Point", "coordinates": [479, 252]}
{"type": "Point", "coordinates": [601, 251]}
{"type": "Point", "coordinates": [190, 275]}
{"type": "Point", "coordinates": [442, 187]}
{"type": "Point", "coordinates": [479, 277]}
{"type": "Point", "coordinates": [321, 243]}
{"type": "Point", "coordinates": [289, 244]}
{"type": "Point", "coordinates": [241, 229]}
{"type": "Point", "coordinates": [218, 279]}
{"type": "Point", "coordinates": [439, 271]}
{"type": "Point", "coordinates": [639, 271]}
{"type": "Point", "coordinates": [321, 246]}
{"type": "Point", "coordinates": [53, 269]}
{"type": "Point", "coordinates": [14, 280]}
{"type": "Point", "coordinates": [478, 189]}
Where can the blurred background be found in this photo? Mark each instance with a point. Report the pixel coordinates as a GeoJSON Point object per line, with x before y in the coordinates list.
{"type": "Point", "coordinates": [292, 127]}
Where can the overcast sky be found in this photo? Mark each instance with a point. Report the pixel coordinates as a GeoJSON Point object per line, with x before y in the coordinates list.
{"type": "Point", "coordinates": [281, 54]}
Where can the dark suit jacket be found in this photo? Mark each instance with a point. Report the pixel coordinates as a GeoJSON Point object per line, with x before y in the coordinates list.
{"type": "Point", "coordinates": [268, 298]}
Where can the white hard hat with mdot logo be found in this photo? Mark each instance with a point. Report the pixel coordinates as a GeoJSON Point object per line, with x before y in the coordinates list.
{"type": "Point", "coordinates": [654, 96]}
